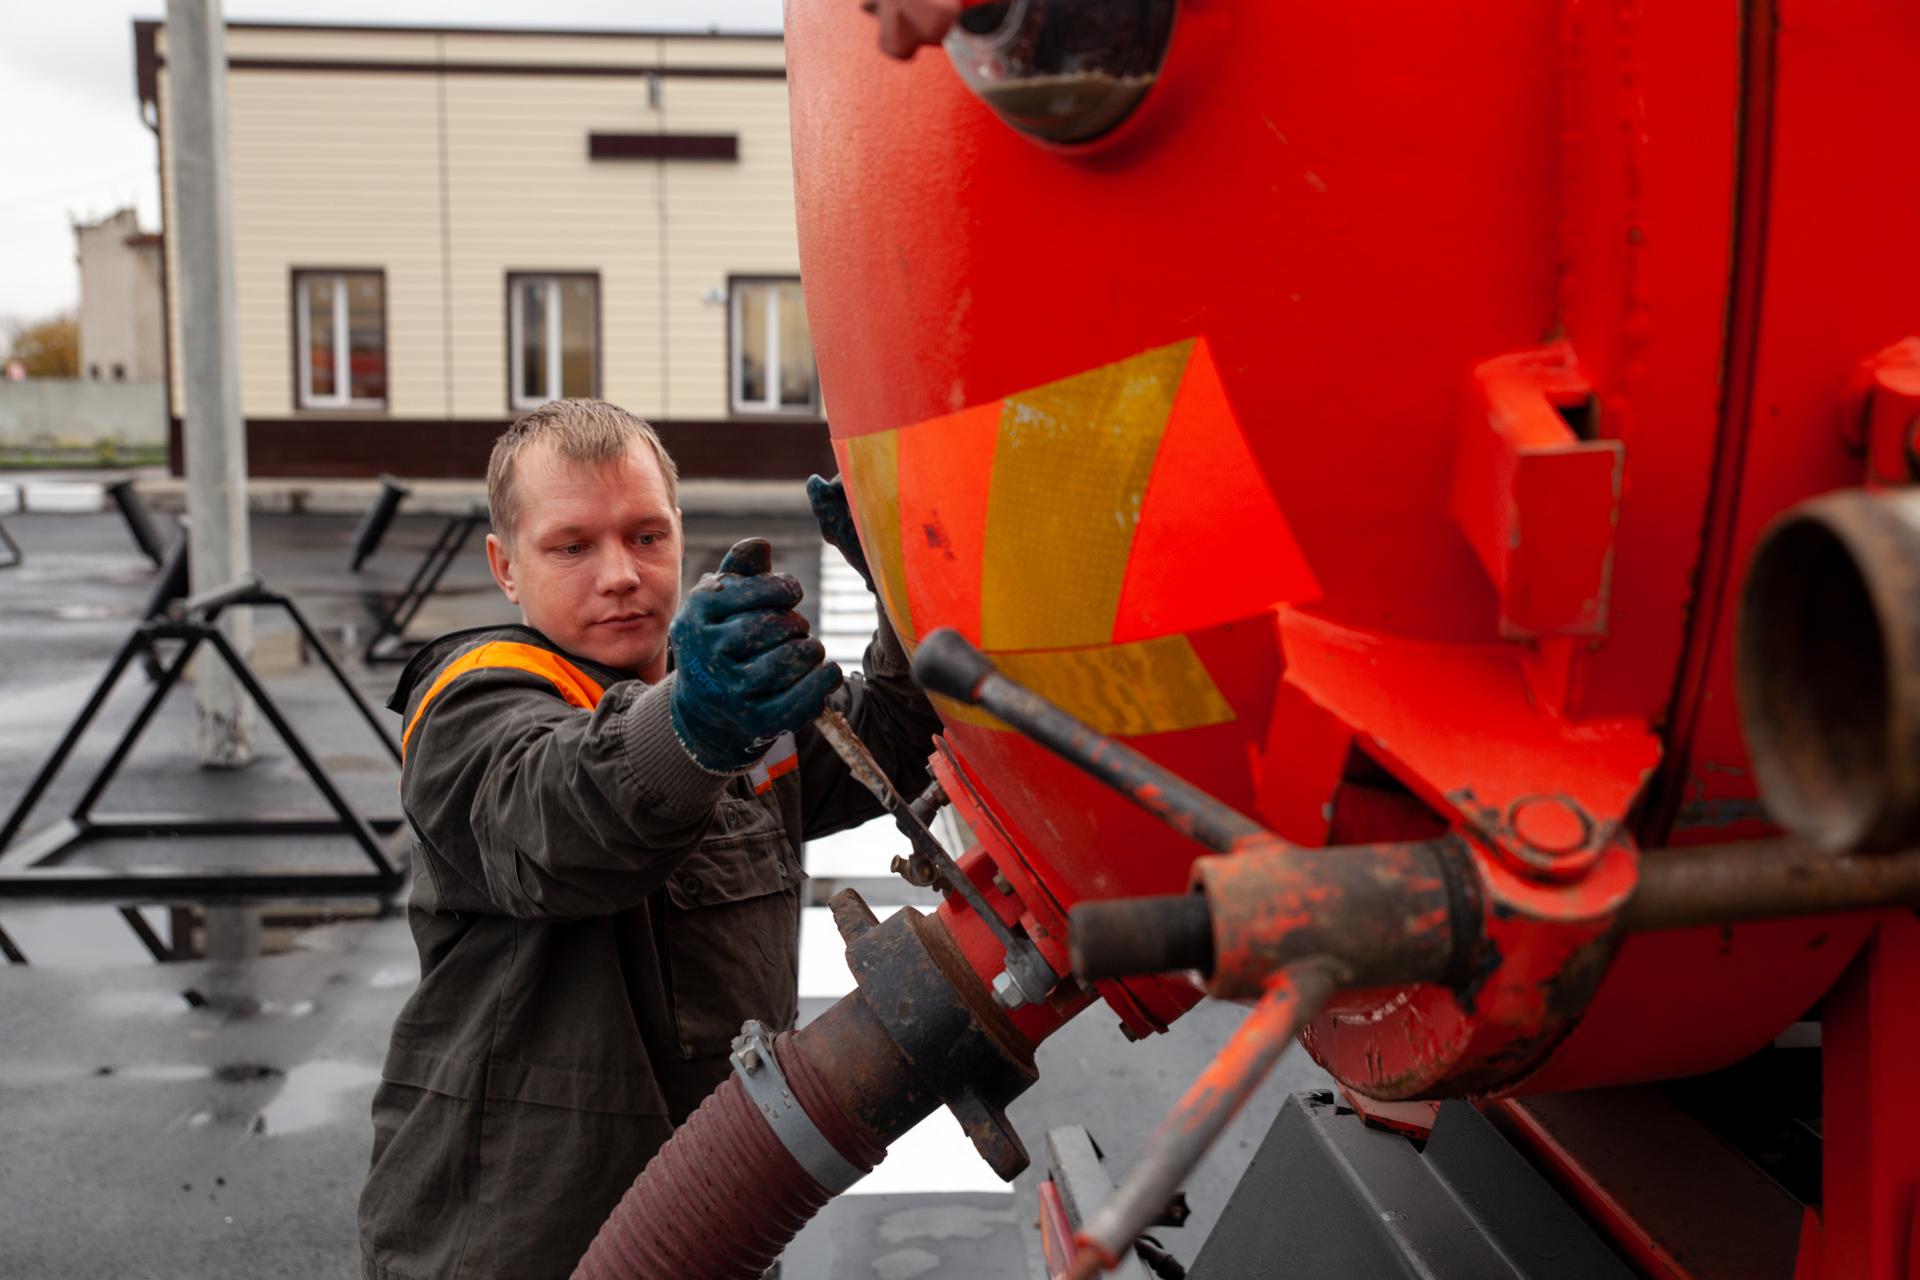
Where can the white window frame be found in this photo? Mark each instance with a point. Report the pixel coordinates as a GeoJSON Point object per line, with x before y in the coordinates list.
{"type": "Point", "coordinates": [516, 328]}
{"type": "Point", "coordinates": [736, 376]}
{"type": "Point", "coordinates": [342, 357]}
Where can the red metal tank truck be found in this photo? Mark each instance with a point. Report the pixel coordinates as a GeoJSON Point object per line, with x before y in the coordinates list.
{"type": "Point", "coordinates": [1384, 492]}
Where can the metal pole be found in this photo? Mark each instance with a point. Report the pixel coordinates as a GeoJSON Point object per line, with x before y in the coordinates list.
{"type": "Point", "coordinates": [216, 449]}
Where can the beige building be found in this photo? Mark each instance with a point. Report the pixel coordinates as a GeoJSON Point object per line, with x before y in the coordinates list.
{"type": "Point", "coordinates": [120, 337]}
{"type": "Point", "coordinates": [438, 228]}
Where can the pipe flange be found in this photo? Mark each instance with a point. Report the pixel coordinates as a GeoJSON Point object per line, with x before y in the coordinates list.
{"type": "Point", "coordinates": [766, 1087]}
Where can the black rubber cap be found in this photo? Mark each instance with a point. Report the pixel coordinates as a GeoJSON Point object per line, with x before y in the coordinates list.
{"type": "Point", "coordinates": [748, 558]}
{"type": "Point", "coordinates": [1121, 937]}
{"type": "Point", "coordinates": [948, 665]}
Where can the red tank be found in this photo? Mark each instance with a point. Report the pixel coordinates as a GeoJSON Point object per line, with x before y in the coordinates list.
{"type": "Point", "coordinates": [1369, 415]}
{"type": "Point", "coordinates": [1380, 453]}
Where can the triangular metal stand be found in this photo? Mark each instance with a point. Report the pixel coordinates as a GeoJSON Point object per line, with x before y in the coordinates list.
{"type": "Point", "coordinates": [390, 641]}
{"type": "Point", "coordinates": [33, 868]}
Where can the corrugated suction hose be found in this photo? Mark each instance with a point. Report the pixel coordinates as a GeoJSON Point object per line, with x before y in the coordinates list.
{"type": "Point", "coordinates": [723, 1197]}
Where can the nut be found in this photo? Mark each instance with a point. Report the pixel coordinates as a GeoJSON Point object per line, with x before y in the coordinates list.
{"type": "Point", "coordinates": [1006, 992]}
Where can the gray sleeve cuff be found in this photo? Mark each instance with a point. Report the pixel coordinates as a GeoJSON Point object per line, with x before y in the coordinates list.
{"type": "Point", "coordinates": [658, 765]}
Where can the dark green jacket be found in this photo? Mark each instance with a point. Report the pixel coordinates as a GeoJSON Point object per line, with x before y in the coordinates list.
{"type": "Point", "coordinates": [596, 915]}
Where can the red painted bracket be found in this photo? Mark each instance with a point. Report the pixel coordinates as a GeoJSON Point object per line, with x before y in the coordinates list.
{"type": "Point", "coordinates": [1538, 503]}
{"type": "Point", "coordinates": [1882, 417]}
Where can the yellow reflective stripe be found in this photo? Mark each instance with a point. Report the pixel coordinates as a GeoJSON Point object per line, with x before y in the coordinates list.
{"type": "Point", "coordinates": [873, 466]}
{"type": "Point", "coordinates": [1149, 686]}
{"type": "Point", "coordinates": [1070, 474]}
{"type": "Point", "coordinates": [574, 685]}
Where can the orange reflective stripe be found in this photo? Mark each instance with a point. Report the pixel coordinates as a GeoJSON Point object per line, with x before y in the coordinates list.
{"type": "Point", "coordinates": [570, 682]}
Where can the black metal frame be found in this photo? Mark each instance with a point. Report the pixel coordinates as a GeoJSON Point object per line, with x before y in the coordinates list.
{"type": "Point", "coordinates": [29, 869]}
{"type": "Point", "coordinates": [14, 554]}
{"type": "Point", "coordinates": [389, 641]}
{"type": "Point", "coordinates": [145, 534]}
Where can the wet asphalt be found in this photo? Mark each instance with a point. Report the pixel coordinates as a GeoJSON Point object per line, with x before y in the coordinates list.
{"type": "Point", "coordinates": [199, 1119]}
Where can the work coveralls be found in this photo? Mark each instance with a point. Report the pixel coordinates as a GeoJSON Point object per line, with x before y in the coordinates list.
{"type": "Point", "coordinates": [596, 915]}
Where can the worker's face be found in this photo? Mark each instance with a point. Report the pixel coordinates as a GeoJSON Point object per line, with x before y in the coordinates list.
{"type": "Point", "coordinates": [595, 560]}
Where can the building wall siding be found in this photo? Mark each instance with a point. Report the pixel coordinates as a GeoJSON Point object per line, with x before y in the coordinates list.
{"type": "Point", "coordinates": [338, 170]}
{"type": "Point", "coordinates": [526, 198]}
{"type": "Point", "coordinates": [448, 182]}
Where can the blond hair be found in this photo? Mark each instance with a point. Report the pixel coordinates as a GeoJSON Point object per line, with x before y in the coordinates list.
{"type": "Point", "coordinates": [584, 431]}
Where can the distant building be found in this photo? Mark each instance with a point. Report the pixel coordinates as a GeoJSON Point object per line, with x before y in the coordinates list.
{"type": "Point", "coordinates": [436, 229]}
{"type": "Point", "coordinates": [120, 334]}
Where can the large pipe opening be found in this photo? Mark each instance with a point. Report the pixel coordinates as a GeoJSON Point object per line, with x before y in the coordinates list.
{"type": "Point", "coordinates": [1827, 662]}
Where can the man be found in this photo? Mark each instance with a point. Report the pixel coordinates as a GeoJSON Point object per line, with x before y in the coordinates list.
{"type": "Point", "coordinates": [606, 869]}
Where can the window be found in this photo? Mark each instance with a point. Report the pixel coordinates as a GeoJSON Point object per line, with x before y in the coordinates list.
{"type": "Point", "coordinates": [340, 339]}
{"type": "Point", "coordinates": [553, 338]}
{"type": "Point", "coordinates": [772, 353]}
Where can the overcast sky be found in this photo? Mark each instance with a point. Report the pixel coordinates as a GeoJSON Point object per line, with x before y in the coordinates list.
{"type": "Point", "coordinates": [72, 144]}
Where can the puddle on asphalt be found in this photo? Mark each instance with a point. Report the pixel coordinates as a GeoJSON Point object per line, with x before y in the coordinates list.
{"type": "Point", "coordinates": [138, 1004]}
{"type": "Point", "coordinates": [80, 937]}
{"type": "Point", "coordinates": [904, 1264]}
{"type": "Point", "coordinates": [88, 938]}
{"type": "Point", "coordinates": [316, 1094]}
{"type": "Point", "coordinates": [354, 764]}
{"type": "Point", "coordinates": [394, 975]}
{"type": "Point", "coordinates": [157, 1072]}
{"type": "Point", "coordinates": [943, 1222]}
{"type": "Point", "coordinates": [245, 1072]}
{"type": "Point", "coordinates": [89, 612]}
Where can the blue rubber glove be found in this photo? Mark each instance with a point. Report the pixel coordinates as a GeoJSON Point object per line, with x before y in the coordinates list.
{"type": "Point", "coordinates": [835, 517]}
{"type": "Point", "coordinates": [747, 671]}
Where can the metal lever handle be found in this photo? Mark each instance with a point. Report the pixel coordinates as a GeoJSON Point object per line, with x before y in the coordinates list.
{"type": "Point", "coordinates": [947, 664]}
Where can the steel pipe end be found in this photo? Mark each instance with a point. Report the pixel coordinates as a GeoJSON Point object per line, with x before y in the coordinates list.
{"type": "Point", "coordinates": [1829, 670]}
{"type": "Point", "coordinates": [1124, 937]}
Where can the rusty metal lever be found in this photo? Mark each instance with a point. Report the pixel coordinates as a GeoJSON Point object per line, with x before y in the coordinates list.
{"type": "Point", "coordinates": [1028, 978]}
{"type": "Point", "coordinates": [948, 665]}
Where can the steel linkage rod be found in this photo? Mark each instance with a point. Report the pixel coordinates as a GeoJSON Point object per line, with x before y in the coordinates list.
{"type": "Point", "coordinates": [1295, 995]}
{"type": "Point", "coordinates": [947, 664]}
{"type": "Point", "coordinates": [1765, 880]}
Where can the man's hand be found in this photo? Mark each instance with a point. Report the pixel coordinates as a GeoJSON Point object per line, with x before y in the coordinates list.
{"type": "Point", "coordinates": [905, 25]}
{"type": "Point", "coordinates": [835, 517]}
{"type": "Point", "coordinates": [747, 669]}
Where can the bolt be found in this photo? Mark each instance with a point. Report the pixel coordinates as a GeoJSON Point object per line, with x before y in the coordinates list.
{"type": "Point", "coordinates": [750, 1059]}
{"type": "Point", "coordinates": [1006, 992]}
{"type": "Point", "coordinates": [1003, 884]}
{"type": "Point", "coordinates": [1550, 825]}
{"type": "Point", "coordinates": [1128, 1031]}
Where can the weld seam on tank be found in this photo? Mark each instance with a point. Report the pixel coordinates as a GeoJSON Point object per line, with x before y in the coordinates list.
{"type": "Point", "coordinates": [724, 1197]}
